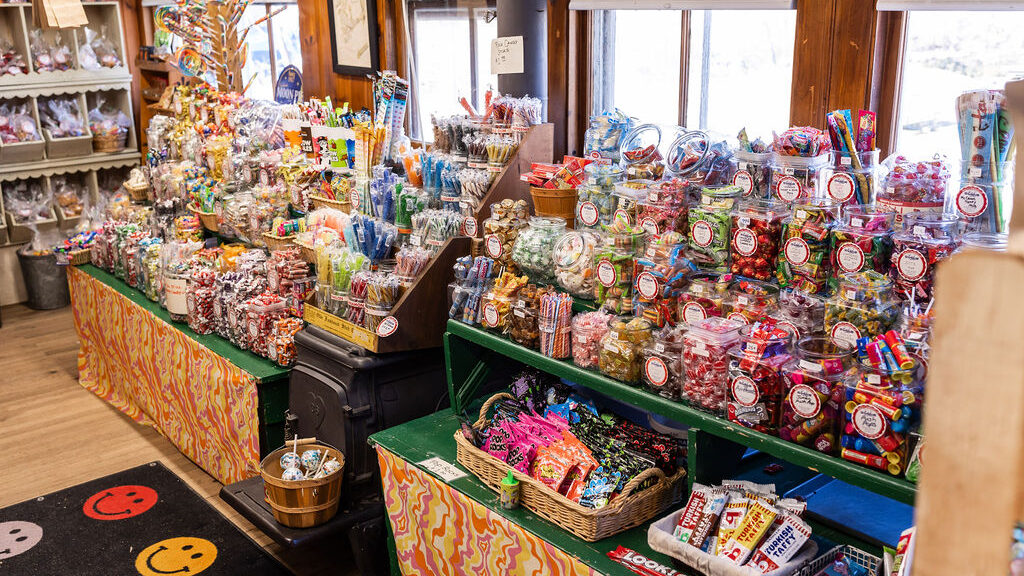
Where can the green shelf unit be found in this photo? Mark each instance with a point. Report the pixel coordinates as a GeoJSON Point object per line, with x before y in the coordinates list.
{"type": "Point", "coordinates": [467, 349]}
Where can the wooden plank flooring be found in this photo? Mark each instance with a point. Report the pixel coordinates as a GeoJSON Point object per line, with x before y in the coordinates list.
{"type": "Point", "coordinates": [55, 434]}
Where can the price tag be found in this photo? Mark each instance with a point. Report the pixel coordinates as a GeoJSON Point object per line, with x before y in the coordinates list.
{"type": "Point", "coordinates": [810, 366]}
{"type": "Point", "coordinates": [442, 469]}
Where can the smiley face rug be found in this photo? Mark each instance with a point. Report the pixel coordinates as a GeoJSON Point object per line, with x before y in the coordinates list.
{"type": "Point", "coordinates": [144, 521]}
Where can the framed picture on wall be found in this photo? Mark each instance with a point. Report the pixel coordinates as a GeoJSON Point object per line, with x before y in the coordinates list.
{"type": "Point", "coordinates": [354, 36]}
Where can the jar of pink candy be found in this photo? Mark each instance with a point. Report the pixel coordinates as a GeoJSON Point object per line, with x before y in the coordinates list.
{"type": "Point", "coordinates": [587, 331]}
{"type": "Point", "coordinates": [914, 186]}
{"type": "Point", "coordinates": [706, 360]}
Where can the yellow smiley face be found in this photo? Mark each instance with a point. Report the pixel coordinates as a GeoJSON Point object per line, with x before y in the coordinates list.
{"type": "Point", "coordinates": [183, 555]}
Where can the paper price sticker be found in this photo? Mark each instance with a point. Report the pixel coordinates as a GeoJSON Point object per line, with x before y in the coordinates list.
{"type": "Point", "coordinates": [744, 391]}
{"type": "Point", "coordinates": [469, 225]}
{"type": "Point", "coordinates": [971, 201]}
{"type": "Point", "coordinates": [789, 188]}
{"type": "Point", "coordinates": [804, 401]}
{"type": "Point", "coordinates": [744, 181]}
{"type": "Point", "coordinates": [693, 312]}
{"type": "Point", "coordinates": [840, 187]}
{"type": "Point", "coordinates": [911, 265]}
{"type": "Point", "coordinates": [702, 233]}
{"type": "Point", "coordinates": [850, 257]}
{"type": "Point", "coordinates": [387, 326]}
{"type": "Point", "coordinates": [656, 371]}
{"type": "Point", "coordinates": [493, 246]}
{"type": "Point", "coordinates": [845, 333]}
{"type": "Point", "coordinates": [606, 273]}
{"type": "Point", "coordinates": [588, 213]}
{"type": "Point", "coordinates": [647, 285]}
{"type": "Point", "coordinates": [442, 469]}
{"type": "Point", "coordinates": [797, 251]}
{"type": "Point", "coordinates": [744, 240]}
{"type": "Point", "coordinates": [869, 421]}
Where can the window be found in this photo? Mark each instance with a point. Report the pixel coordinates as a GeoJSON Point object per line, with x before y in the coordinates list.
{"type": "Point", "coordinates": [948, 53]}
{"type": "Point", "coordinates": [442, 77]}
{"type": "Point", "coordinates": [273, 44]}
{"type": "Point", "coordinates": [735, 60]}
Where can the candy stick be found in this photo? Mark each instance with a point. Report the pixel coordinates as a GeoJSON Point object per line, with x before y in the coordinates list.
{"type": "Point", "coordinates": [844, 131]}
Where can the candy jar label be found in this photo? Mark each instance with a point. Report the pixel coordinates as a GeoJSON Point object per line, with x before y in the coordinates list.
{"type": "Point", "coordinates": [490, 315]}
{"type": "Point", "coordinates": [745, 242]}
{"type": "Point", "coordinates": [656, 371]}
{"type": "Point", "coordinates": [789, 188]}
{"type": "Point", "coordinates": [736, 316]}
{"type": "Point", "coordinates": [840, 187]}
{"type": "Point", "coordinates": [650, 225]}
{"type": "Point", "coordinates": [869, 421]}
{"type": "Point", "coordinates": [493, 245]}
{"type": "Point", "coordinates": [588, 213]}
{"type": "Point", "coordinates": [622, 215]}
{"type": "Point", "coordinates": [850, 257]}
{"type": "Point", "coordinates": [174, 293]}
{"type": "Point", "coordinates": [912, 265]}
{"type": "Point", "coordinates": [693, 312]}
{"type": "Point", "coordinates": [702, 233]}
{"type": "Point", "coordinates": [647, 285]}
{"type": "Point", "coordinates": [744, 391]}
{"type": "Point", "coordinates": [469, 224]}
{"type": "Point", "coordinates": [254, 328]}
{"type": "Point", "coordinates": [606, 273]}
{"type": "Point", "coordinates": [264, 178]}
{"type": "Point", "coordinates": [805, 401]}
{"type": "Point", "coordinates": [797, 252]}
{"type": "Point", "coordinates": [387, 326]}
{"type": "Point", "coordinates": [789, 327]}
{"type": "Point", "coordinates": [845, 333]}
{"type": "Point", "coordinates": [971, 201]}
{"type": "Point", "coordinates": [744, 181]}
{"type": "Point", "coordinates": [354, 198]}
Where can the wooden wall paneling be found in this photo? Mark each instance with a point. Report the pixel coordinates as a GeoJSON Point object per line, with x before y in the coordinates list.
{"type": "Point", "coordinates": [315, 41]}
{"type": "Point", "coordinates": [131, 15]}
{"type": "Point", "coordinates": [852, 54]}
{"type": "Point", "coordinates": [887, 77]}
{"type": "Point", "coordinates": [812, 62]}
{"type": "Point", "coordinates": [580, 85]}
{"type": "Point", "coordinates": [558, 71]}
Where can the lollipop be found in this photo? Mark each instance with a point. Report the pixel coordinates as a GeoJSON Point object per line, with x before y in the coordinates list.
{"type": "Point", "coordinates": [292, 474]}
{"type": "Point", "coordinates": [311, 459]}
{"type": "Point", "coordinates": [290, 460]}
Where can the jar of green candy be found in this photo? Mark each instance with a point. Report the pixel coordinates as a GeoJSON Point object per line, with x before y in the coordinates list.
{"type": "Point", "coordinates": [533, 248]}
{"type": "Point", "coordinates": [711, 227]}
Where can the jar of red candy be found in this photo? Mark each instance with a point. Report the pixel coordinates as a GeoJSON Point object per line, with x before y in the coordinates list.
{"type": "Point", "coordinates": [750, 301]}
{"type": "Point", "coordinates": [704, 297]}
{"type": "Point", "coordinates": [663, 362]}
{"type": "Point", "coordinates": [665, 208]}
{"type": "Point", "coordinates": [263, 312]}
{"type": "Point", "coordinates": [804, 256]}
{"type": "Point", "coordinates": [706, 362]}
{"type": "Point", "coordinates": [882, 410]}
{"type": "Point", "coordinates": [753, 173]}
{"type": "Point", "coordinates": [199, 298]}
{"type": "Point", "coordinates": [588, 330]}
{"type": "Point", "coordinates": [798, 178]}
{"type": "Point", "coordinates": [913, 186]}
{"type": "Point", "coordinates": [755, 376]}
{"type": "Point", "coordinates": [924, 240]}
{"type": "Point", "coordinates": [815, 394]}
{"type": "Point", "coordinates": [756, 232]}
{"type": "Point", "coordinates": [854, 178]}
{"type": "Point", "coordinates": [862, 241]}
{"type": "Point", "coordinates": [801, 313]}
{"type": "Point", "coordinates": [660, 277]}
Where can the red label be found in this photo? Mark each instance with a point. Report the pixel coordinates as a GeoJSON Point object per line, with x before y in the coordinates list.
{"type": "Point", "coordinates": [744, 391]}
{"type": "Point", "coordinates": [844, 332]}
{"type": "Point", "coordinates": [788, 188]}
{"type": "Point", "coordinates": [650, 225]}
{"type": "Point", "coordinates": [606, 273]}
{"type": "Point", "coordinates": [804, 401]}
{"type": "Point", "coordinates": [490, 315]}
{"type": "Point", "coordinates": [469, 225]}
{"type": "Point", "coordinates": [850, 257]}
{"type": "Point", "coordinates": [912, 265]}
{"type": "Point", "coordinates": [869, 421]}
{"type": "Point", "coordinates": [656, 371]}
{"type": "Point", "coordinates": [797, 251]}
{"type": "Point", "coordinates": [587, 213]}
{"type": "Point", "coordinates": [702, 233]}
{"type": "Point", "coordinates": [743, 180]}
{"type": "Point", "coordinates": [693, 312]}
{"type": "Point", "coordinates": [387, 326]}
{"type": "Point", "coordinates": [647, 285]}
{"type": "Point", "coordinates": [493, 246]}
{"type": "Point", "coordinates": [840, 187]}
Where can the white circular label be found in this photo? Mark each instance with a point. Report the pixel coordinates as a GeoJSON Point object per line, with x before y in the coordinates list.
{"type": "Point", "coordinates": [744, 391]}
{"type": "Point", "coordinates": [493, 246]}
{"type": "Point", "coordinates": [647, 285]}
{"type": "Point", "coordinates": [650, 225]}
{"type": "Point", "coordinates": [869, 421]}
{"type": "Point", "coordinates": [264, 177]}
{"type": "Point", "coordinates": [702, 233]}
{"type": "Point", "coordinates": [912, 265]}
{"type": "Point", "coordinates": [588, 214]}
{"type": "Point", "coordinates": [797, 251]}
{"type": "Point", "coordinates": [736, 316]}
{"type": "Point", "coordinates": [743, 180]}
{"type": "Point", "coordinates": [789, 327]}
{"type": "Point", "coordinates": [490, 315]}
{"type": "Point", "coordinates": [254, 328]}
{"type": "Point", "coordinates": [850, 257]}
{"type": "Point", "coordinates": [845, 333]}
{"type": "Point", "coordinates": [271, 350]}
{"type": "Point", "coordinates": [693, 313]}
{"type": "Point", "coordinates": [789, 188]}
{"type": "Point", "coordinates": [606, 273]}
{"type": "Point", "coordinates": [273, 280]}
{"type": "Point", "coordinates": [387, 326]}
{"type": "Point", "coordinates": [840, 187]}
{"type": "Point", "coordinates": [190, 303]}
{"type": "Point", "coordinates": [745, 242]}
{"type": "Point", "coordinates": [971, 201]}
{"type": "Point", "coordinates": [656, 371]}
{"type": "Point", "coordinates": [804, 401]}
{"type": "Point", "coordinates": [622, 215]}
{"type": "Point", "coordinates": [469, 225]}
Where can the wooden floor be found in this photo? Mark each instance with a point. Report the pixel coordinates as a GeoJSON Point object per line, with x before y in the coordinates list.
{"type": "Point", "coordinates": [44, 411]}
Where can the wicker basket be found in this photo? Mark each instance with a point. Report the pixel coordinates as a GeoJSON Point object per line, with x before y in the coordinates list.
{"type": "Point", "coordinates": [555, 203]}
{"type": "Point", "coordinates": [79, 257]}
{"type": "Point", "coordinates": [307, 253]}
{"type": "Point", "coordinates": [302, 503]}
{"type": "Point", "coordinates": [209, 219]}
{"type": "Point", "coordinates": [275, 242]}
{"type": "Point", "coordinates": [325, 202]}
{"type": "Point", "coordinates": [626, 511]}
{"type": "Point", "coordinates": [109, 142]}
{"type": "Point", "coordinates": [138, 193]}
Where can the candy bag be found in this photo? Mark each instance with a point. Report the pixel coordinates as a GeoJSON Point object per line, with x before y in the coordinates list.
{"type": "Point", "coordinates": [11, 62]}
{"type": "Point", "coordinates": [61, 117]}
{"type": "Point", "coordinates": [16, 124]}
{"type": "Point", "coordinates": [28, 201]}
{"type": "Point", "coordinates": [106, 120]}
{"type": "Point", "coordinates": [70, 195]}
{"type": "Point", "coordinates": [103, 48]}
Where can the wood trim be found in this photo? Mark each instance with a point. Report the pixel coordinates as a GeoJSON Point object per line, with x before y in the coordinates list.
{"type": "Point", "coordinates": [887, 77]}
{"type": "Point", "coordinates": [812, 62]}
{"type": "Point", "coordinates": [558, 71]}
{"type": "Point", "coordinates": [579, 81]}
{"type": "Point", "coordinates": [852, 55]}
{"type": "Point", "coordinates": [684, 66]}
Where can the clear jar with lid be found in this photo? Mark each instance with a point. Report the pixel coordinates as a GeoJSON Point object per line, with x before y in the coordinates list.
{"type": "Point", "coordinates": [798, 178]}
{"type": "Point", "coordinates": [628, 196]}
{"type": "Point", "coordinates": [804, 256]}
{"type": "Point", "coordinates": [523, 328]}
{"type": "Point", "coordinates": [801, 313]}
{"type": "Point", "coordinates": [815, 394]}
{"type": "Point", "coordinates": [502, 228]}
{"type": "Point", "coordinates": [613, 268]}
{"type": "Point", "coordinates": [711, 227]}
{"type": "Point", "coordinates": [496, 311]}
{"type": "Point", "coordinates": [924, 240]}
{"type": "Point", "coordinates": [863, 307]}
{"type": "Point", "coordinates": [703, 298]}
{"type": "Point", "coordinates": [913, 186]}
{"type": "Point", "coordinates": [701, 158]}
{"type": "Point", "coordinates": [983, 198]}
{"type": "Point", "coordinates": [621, 348]}
{"type": "Point", "coordinates": [756, 233]}
{"type": "Point", "coordinates": [533, 248]}
{"type": "Point", "coordinates": [604, 134]}
{"type": "Point", "coordinates": [753, 173]}
{"type": "Point", "coordinates": [984, 241]}
{"type": "Point", "coordinates": [750, 301]}
{"type": "Point", "coordinates": [706, 362]}
{"type": "Point", "coordinates": [638, 154]}
{"type": "Point", "coordinates": [663, 362]}
{"type": "Point", "coordinates": [595, 198]}
{"type": "Point", "coordinates": [854, 178]}
{"type": "Point", "coordinates": [882, 409]}
{"type": "Point", "coordinates": [862, 241]}
{"type": "Point", "coordinates": [573, 257]}
{"type": "Point", "coordinates": [588, 330]}
{"type": "Point", "coordinates": [665, 208]}
{"type": "Point", "coordinates": [755, 376]}
{"type": "Point", "coordinates": [915, 328]}
{"type": "Point", "coordinates": [660, 276]}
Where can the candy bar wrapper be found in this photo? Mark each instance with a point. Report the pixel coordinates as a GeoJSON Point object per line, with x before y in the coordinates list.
{"type": "Point", "coordinates": [748, 486]}
{"type": "Point", "coordinates": [904, 552]}
{"type": "Point", "coordinates": [699, 497]}
{"type": "Point", "coordinates": [708, 517]}
{"type": "Point", "coordinates": [795, 507]}
{"type": "Point", "coordinates": [782, 544]}
{"type": "Point", "coordinates": [746, 538]}
{"type": "Point", "coordinates": [732, 517]}
{"type": "Point", "coordinates": [640, 564]}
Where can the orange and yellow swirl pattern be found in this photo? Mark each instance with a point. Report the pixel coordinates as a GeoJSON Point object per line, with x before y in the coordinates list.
{"type": "Point", "coordinates": [160, 377]}
{"type": "Point", "coordinates": [440, 531]}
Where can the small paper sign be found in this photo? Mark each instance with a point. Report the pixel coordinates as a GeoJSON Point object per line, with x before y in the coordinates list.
{"type": "Point", "coordinates": [442, 469]}
{"type": "Point", "coordinates": [507, 55]}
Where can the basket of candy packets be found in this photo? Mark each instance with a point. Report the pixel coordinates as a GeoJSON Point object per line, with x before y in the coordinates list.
{"type": "Point", "coordinates": [738, 528]}
{"type": "Point", "coordinates": [594, 476]}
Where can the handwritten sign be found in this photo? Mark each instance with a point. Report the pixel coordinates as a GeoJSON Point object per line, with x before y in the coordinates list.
{"type": "Point", "coordinates": [507, 55]}
{"type": "Point", "coordinates": [443, 469]}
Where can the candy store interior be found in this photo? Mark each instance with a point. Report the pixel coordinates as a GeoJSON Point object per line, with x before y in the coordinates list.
{"type": "Point", "coordinates": [511, 287]}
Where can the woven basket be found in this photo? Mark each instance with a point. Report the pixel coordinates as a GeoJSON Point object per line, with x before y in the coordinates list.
{"type": "Point", "coordinates": [555, 203]}
{"type": "Point", "coordinates": [307, 253]}
{"type": "Point", "coordinates": [109, 142]}
{"type": "Point", "coordinates": [79, 257]}
{"type": "Point", "coordinates": [209, 219]}
{"type": "Point", "coordinates": [625, 511]}
{"type": "Point", "coordinates": [325, 202]}
{"type": "Point", "coordinates": [138, 193]}
{"type": "Point", "coordinates": [302, 503]}
{"type": "Point", "coordinates": [275, 242]}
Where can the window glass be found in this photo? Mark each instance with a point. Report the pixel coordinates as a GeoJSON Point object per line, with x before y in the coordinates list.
{"type": "Point", "coordinates": [485, 32]}
{"type": "Point", "coordinates": [287, 47]}
{"type": "Point", "coordinates": [443, 75]}
{"type": "Point", "coordinates": [258, 62]}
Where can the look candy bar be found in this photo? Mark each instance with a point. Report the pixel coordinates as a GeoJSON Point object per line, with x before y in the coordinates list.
{"type": "Point", "coordinates": [640, 564]}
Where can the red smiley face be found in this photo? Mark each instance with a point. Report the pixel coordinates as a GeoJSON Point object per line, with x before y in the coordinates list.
{"type": "Point", "coordinates": [119, 502]}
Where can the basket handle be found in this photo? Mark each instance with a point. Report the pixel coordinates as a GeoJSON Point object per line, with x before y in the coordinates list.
{"type": "Point", "coordinates": [487, 407]}
{"type": "Point", "coordinates": [640, 479]}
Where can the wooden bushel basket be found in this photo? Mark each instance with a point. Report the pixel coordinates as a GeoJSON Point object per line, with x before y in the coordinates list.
{"type": "Point", "coordinates": [302, 503]}
{"type": "Point", "coordinates": [971, 494]}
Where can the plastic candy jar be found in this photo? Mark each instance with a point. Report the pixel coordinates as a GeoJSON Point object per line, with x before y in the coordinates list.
{"type": "Point", "coordinates": [750, 301]}
{"type": "Point", "coordinates": [659, 278]}
{"type": "Point", "coordinates": [756, 233]}
{"type": "Point", "coordinates": [913, 186]}
{"type": "Point", "coordinates": [532, 250]}
{"type": "Point", "coordinates": [801, 313]}
{"type": "Point", "coordinates": [663, 362]}
{"type": "Point", "coordinates": [804, 257]}
{"type": "Point", "coordinates": [595, 199]}
{"type": "Point", "coordinates": [703, 298]}
{"type": "Point", "coordinates": [815, 394]}
{"type": "Point", "coordinates": [711, 227]}
{"type": "Point", "coordinates": [854, 178]}
{"type": "Point", "coordinates": [620, 356]}
{"type": "Point", "coordinates": [863, 241]}
{"type": "Point", "coordinates": [588, 331]}
{"type": "Point", "coordinates": [755, 376]}
{"type": "Point", "coordinates": [706, 362]}
{"type": "Point", "coordinates": [573, 257]}
{"type": "Point", "coordinates": [863, 306]}
{"type": "Point", "coordinates": [925, 240]}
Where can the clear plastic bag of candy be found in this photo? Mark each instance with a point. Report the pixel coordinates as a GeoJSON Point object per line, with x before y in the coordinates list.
{"type": "Point", "coordinates": [106, 119]}
{"type": "Point", "coordinates": [11, 61]}
{"type": "Point", "coordinates": [28, 201]}
{"type": "Point", "coordinates": [49, 56]}
{"type": "Point", "coordinates": [71, 193]}
{"type": "Point", "coordinates": [61, 116]}
{"type": "Point", "coordinates": [104, 50]}
{"type": "Point", "coordinates": [17, 123]}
